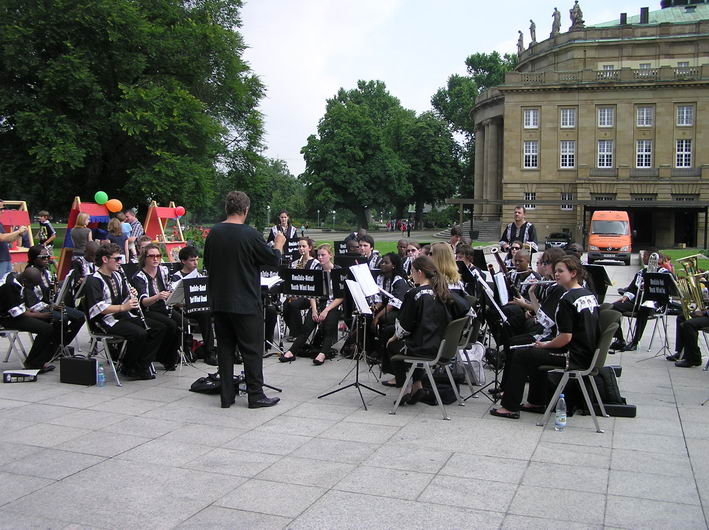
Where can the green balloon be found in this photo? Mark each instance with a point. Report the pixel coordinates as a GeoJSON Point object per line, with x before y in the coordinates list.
{"type": "Point", "coordinates": [101, 197]}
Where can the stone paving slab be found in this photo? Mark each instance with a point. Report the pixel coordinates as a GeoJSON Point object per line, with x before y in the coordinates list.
{"type": "Point", "coordinates": [152, 454]}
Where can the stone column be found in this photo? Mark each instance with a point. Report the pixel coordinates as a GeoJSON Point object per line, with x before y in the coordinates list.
{"type": "Point", "coordinates": [491, 151]}
{"type": "Point", "coordinates": [479, 178]}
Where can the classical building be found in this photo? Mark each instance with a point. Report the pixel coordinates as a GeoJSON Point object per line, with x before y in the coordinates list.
{"type": "Point", "coordinates": [611, 116]}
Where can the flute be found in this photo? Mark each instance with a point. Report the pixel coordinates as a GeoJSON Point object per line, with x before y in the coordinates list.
{"type": "Point", "coordinates": [132, 292]}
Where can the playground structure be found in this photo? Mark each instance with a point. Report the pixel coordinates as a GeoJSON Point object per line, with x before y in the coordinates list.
{"type": "Point", "coordinates": [98, 213]}
{"type": "Point", "coordinates": [15, 215]}
{"type": "Point", "coordinates": [162, 225]}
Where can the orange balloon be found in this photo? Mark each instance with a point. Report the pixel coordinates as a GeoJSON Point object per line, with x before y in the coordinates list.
{"type": "Point", "coordinates": [114, 205]}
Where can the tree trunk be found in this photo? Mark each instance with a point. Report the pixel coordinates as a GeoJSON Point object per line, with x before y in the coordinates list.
{"type": "Point", "coordinates": [419, 214]}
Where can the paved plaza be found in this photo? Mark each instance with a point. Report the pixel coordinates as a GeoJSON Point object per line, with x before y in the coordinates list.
{"type": "Point", "coordinates": [154, 455]}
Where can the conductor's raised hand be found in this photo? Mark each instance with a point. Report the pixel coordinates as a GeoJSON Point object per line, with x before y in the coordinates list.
{"type": "Point", "coordinates": [279, 241]}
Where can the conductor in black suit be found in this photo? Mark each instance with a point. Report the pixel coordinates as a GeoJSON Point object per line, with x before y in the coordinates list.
{"type": "Point", "coordinates": [233, 255]}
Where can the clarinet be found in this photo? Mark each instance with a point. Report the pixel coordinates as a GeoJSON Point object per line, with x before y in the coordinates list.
{"type": "Point", "coordinates": [131, 290]}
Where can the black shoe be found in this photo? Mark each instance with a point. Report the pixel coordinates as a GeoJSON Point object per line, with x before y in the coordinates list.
{"type": "Point", "coordinates": [211, 360]}
{"type": "Point", "coordinates": [228, 403]}
{"type": "Point", "coordinates": [618, 345]}
{"type": "Point", "coordinates": [263, 402]}
{"type": "Point", "coordinates": [142, 375]}
{"type": "Point", "coordinates": [416, 396]}
{"type": "Point", "coordinates": [285, 359]}
{"type": "Point", "coordinates": [170, 367]}
{"type": "Point", "coordinates": [318, 362]}
{"type": "Point", "coordinates": [684, 363]}
{"type": "Point", "coordinates": [42, 369]}
{"type": "Point", "coordinates": [633, 346]}
{"type": "Point", "coordinates": [672, 358]}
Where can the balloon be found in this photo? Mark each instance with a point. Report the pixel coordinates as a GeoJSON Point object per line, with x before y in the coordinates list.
{"type": "Point", "coordinates": [100, 197]}
{"type": "Point", "coordinates": [114, 205]}
{"type": "Point", "coordinates": [180, 211]}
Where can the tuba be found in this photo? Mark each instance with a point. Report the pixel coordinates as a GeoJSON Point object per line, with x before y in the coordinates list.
{"type": "Point", "coordinates": [653, 262]}
{"type": "Point", "coordinates": [689, 288]}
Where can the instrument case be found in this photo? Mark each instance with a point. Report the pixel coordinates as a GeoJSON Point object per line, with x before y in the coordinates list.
{"type": "Point", "coordinates": [77, 370]}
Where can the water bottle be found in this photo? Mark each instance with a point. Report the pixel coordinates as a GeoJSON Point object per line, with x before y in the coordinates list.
{"type": "Point", "coordinates": [242, 385]}
{"type": "Point", "coordinates": [560, 419]}
{"type": "Point", "coordinates": [100, 376]}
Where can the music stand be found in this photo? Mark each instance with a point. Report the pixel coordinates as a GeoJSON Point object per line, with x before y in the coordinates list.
{"type": "Point", "coordinates": [270, 280]}
{"type": "Point", "coordinates": [600, 279]}
{"type": "Point", "coordinates": [490, 298]}
{"type": "Point", "coordinates": [62, 350]}
{"type": "Point", "coordinates": [658, 287]}
{"type": "Point", "coordinates": [362, 308]}
{"type": "Point", "coordinates": [177, 297]}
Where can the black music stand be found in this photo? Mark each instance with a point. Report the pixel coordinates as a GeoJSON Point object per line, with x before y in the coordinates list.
{"type": "Point", "coordinates": [489, 297]}
{"type": "Point", "coordinates": [270, 281]}
{"type": "Point", "coordinates": [177, 297]}
{"type": "Point", "coordinates": [62, 350]}
{"type": "Point", "coordinates": [658, 287]}
{"type": "Point", "coordinates": [362, 308]}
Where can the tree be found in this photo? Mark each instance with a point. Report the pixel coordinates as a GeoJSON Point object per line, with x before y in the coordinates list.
{"type": "Point", "coordinates": [144, 99]}
{"type": "Point", "coordinates": [488, 69]}
{"type": "Point", "coordinates": [434, 169]}
{"type": "Point", "coordinates": [351, 164]}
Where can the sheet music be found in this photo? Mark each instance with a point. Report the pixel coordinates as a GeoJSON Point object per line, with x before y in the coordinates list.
{"type": "Point", "coordinates": [177, 296]}
{"type": "Point", "coordinates": [365, 279]}
{"type": "Point", "coordinates": [499, 279]}
{"type": "Point", "coordinates": [270, 281]}
{"type": "Point", "coordinates": [393, 300]}
{"type": "Point", "coordinates": [359, 297]}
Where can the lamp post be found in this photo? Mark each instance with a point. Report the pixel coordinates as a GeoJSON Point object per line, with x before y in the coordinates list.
{"type": "Point", "coordinates": [268, 215]}
{"type": "Point", "coordinates": [318, 218]}
{"type": "Point", "coordinates": [333, 219]}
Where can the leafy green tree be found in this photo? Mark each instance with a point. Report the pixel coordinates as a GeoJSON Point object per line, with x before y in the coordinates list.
{"type": "Point", "coordinates": [144, 99]}
{"type": "Point", "coordinates": [350, 163]}
{"type": "Point", "coordinates": [488, 69]}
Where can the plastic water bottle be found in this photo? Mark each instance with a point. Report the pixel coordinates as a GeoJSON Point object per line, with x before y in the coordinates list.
{"type": "Point", "coordinates": [242, 385]}
{"type": "Point", "coordinates": [560, 419]}
{"type": "Point", "coordinates": [100, 376]}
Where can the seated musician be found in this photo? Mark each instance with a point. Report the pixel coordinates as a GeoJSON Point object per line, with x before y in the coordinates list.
{"type": "Point", "coordinates": [189, 258]}
{"type": "Point", "coordinates": [687, 339]}
{"type": "Point", "coordinates": [16, 314]}
{"type": "Point", "coordinates": [294, 305]}
{"type": "Point", "coordinates": [110, 305]}
{"type": "Point", "coordinates": [82, 266]}
{"type": "Point", "coordinates": [514, 247]}
{"type": "Point", "coordinates": [43, 295]}
{"type": "Point", "coordinates": [394, 281]}
{"type": "Point", "coordinates": [401, 247]}
{"type": "Point", "coordinates": [152, 281]}
{"type": "Point", "coordinates": [366, 248]}
{"type": "Point", "coordinates": [573, 346]}
{"type": "Point", "coordinates": [324, 312]}
{"type": "Point", "coordinates": [629, 303]}
{"type": "Point", "coordinates": [455, 239]}
{"type": "Point", "coordinates": [425, 313]}
{"type": "Point", "coordinates": [444, 260]}
{"type": "Point", "coordinates": [412, 252]}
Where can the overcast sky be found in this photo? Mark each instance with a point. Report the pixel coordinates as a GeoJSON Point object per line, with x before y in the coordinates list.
{"type": "Point", "coordinates": [305, 50]}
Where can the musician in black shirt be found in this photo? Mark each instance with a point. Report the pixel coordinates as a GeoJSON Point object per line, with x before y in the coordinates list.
{"type": "Point", "coordinates": [110, 308]}
{"type": "Point", "coordinates": [233, 255]}
{"type": "Point", "coordinates": [520, 229]}
{"type": "Point", "coordinates": [573, 347]}
{"type": "Point", "coordinates": [284, 227]}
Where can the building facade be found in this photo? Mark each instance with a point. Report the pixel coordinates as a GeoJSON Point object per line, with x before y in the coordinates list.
{"type": "Point", "coordinates": [610, 116]}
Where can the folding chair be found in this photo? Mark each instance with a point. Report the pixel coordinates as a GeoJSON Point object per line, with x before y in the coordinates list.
{"type": "Point", "coordinates": [658, 287]}
{"type": "Point", "coordinates": [13, 336]}
{"type": "Point", "coordinates": [99, 343]}
{"type": "Point", "coordinates": [447, 350]}
{"type": "Point", "coordinates": [609, 322]}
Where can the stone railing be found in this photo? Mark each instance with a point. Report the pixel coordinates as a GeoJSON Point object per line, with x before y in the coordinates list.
{"type": "Point", "coordinates": [622, 75]}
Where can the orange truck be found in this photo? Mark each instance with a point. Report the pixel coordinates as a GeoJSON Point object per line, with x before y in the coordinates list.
{"type": "Point", "coordinates": [610, 236]}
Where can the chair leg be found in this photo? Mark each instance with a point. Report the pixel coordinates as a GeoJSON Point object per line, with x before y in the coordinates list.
{"type": "Point", "coordinates": [598, 397]}
{"type": "Point", "coordinates": [113, 364]}
{"type": "Point", "coordinates": [554, 399]}
{"type": "Point", "coordinates": [427, 367]}
{"type": "Point", "coordinates": [589, 404]}
{"type": "Point", "coordinates": [652, 338]}
{"type": "Point", "coordinates": [467, 370]}
{"type": "Point", "coordinates": [409, 376]}
{"type": "Point", "coordinates": [455, 386]}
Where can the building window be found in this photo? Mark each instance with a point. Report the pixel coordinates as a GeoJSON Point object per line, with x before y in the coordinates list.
{"type": "Point", "coordinates": [643, 197]}
{"type": "Point", "coordinates": [684, 153]}
{"type": "Point", "coordinates": [685, 197]}
{"type": "Point", "coordinates": [644, 116]}
{"type": "Point", "coordinates": [603, 197]}
{"type": "Point", "coordinates": [567, 197]}
{"type": "Point", "coordinates": [682, 64]}
{"type": "Point", "coordinates": [644, 66]}
{"type": "Point", "coordinates": [531, 154]}
{"type": "Point", "coordinates": [568, 118]}
{"type": "Point", "coordinates": [531, 118]}
{"type": "Point", "coordinates": [609, 67]}
{"type": "Point", "coordinates": [643, 153]}
{"type": "Point", "coordinates": [685, 115]}
{"type": "Point", "coordinates": [605, 153]}
{"type": "Point", "coordinates": [530, 196]}
{"type": "Point", "coordinates": [567, 153]}
{"type": "Point", "coordinates": [606, 116]}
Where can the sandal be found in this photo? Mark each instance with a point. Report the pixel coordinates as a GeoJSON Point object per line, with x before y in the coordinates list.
{"type": "Point", "coordinates": [509, 415]}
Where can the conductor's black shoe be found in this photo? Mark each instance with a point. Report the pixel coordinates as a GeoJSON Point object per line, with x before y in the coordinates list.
{"type": "Point", "coordinates": [672, 358]}
{"type": "Point", "coordinates": [631, 347]}
{"type": "Point", "coordinates": [684, 363]}
{"type": "Point", "coordinates": [263, 402]}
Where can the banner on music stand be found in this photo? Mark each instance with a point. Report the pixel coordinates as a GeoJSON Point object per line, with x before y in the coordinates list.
{"type": "Point", "coordinates": [301, 282]}
{"type": "Point", "coordinates": [196, 300]}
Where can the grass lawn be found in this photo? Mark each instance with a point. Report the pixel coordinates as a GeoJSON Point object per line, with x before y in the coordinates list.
{"type": "Point", "coordinates": [703, 264]}
{"type": "Point", "coordinates": [384, 247]}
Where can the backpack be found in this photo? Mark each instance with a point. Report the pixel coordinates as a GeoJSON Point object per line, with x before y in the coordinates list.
{"type": "Point", "coordinates": [212, 385]}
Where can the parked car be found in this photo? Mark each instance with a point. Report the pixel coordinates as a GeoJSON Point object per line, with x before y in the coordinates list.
{"type": "Point", "coordinates": [610, 236]}
{"type": "Point", "coordinates": [557, 239]}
